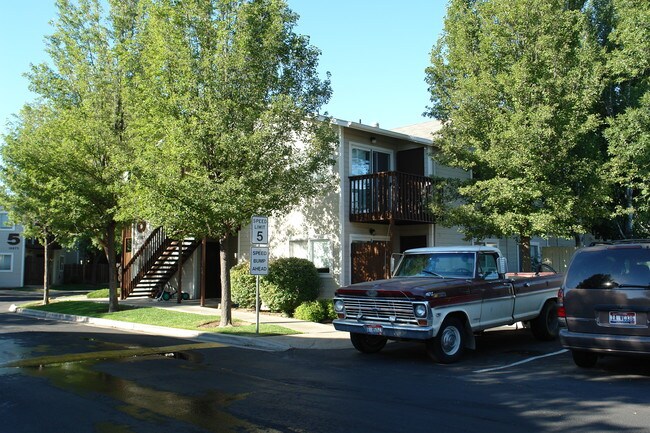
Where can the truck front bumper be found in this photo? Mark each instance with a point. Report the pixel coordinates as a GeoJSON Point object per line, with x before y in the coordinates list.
{"type": "Point", "coordinates": [389, 330]}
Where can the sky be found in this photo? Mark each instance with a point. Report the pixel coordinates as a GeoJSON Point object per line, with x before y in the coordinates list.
{"type": "Point", "coordinates": [376, 51]}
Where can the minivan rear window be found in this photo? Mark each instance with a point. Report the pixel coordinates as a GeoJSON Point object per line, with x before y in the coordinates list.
{"type": "Point", "coordinates": [609, 267]}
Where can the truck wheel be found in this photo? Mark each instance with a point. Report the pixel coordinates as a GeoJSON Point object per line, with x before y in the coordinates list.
{"type": "Point", "coordinates": [546, 327]}
{"type": "Point", "coordinates": [584, 359]}
{"type": "Point", "coordinates": [368, 343]}
{"type": "Point", "coordinates": [447, 347]}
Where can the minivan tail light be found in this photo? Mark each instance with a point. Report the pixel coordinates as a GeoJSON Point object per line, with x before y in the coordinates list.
{"type": "Point", "coordinates": [561, 312]}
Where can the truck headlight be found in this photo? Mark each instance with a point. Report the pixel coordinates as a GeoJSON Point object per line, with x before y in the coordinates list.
{"type": "Point", "coordinates": [420, 311]}
{"type": "Point", "coordinates": [339, 306]}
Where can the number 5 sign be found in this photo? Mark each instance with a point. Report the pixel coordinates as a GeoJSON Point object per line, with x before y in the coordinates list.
{"type": "Point", "coordinates": [259, 230]}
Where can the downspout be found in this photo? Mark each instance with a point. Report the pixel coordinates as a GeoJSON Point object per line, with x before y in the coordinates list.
{"type": "Point", "coordinates": [344, 266]}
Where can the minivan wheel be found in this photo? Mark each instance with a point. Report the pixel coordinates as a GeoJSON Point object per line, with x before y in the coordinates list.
{"type": "Point", "coordinates": [546, 327]}
{"type": "Point", "coordinates": [367, 343]}
{"type": "Point", "coordinates": [447, 347]}
{"type": "Point", "coordinates": [584, 359]}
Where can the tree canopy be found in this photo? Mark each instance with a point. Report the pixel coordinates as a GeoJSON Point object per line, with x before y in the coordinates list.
{"type": "Point", "coordinates": [81, 147]}
{"type": "Point", "coordinates": [515, 84]}
{"type": "Point", "coordinates": [225, 108]}
{"type": "Point", "coordinates": [628, 129]}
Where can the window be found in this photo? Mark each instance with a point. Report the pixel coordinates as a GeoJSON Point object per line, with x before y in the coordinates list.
{"type": "Point", "coordinates": [317, 251]}
{"type": "Point", "coordinates": [321, 254]}
{"type": "Point", "coordinates": [366, 161]}
{"type": "Point", "coordinates": [4, 222]}
{"type": "Point", "coordinates": [6, 262]}
{"type": "Point", "coordinates": [487, 266]}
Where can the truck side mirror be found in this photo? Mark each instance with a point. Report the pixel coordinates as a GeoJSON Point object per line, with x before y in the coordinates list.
{"type": "Point", "coordinates": [502, 266]}
{"type": "Point", "coordinates": [395, 258]}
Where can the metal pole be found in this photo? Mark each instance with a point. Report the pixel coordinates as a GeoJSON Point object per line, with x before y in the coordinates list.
{"type": "Point", "coordinates": [257, 304]}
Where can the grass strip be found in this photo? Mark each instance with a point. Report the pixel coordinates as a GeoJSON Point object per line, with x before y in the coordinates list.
{"type": "Point", "coordinates": [160, 317]}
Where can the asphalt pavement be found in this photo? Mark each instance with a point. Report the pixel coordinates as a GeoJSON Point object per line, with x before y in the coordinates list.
{"type": "Point", "coordinates": [311, 335]}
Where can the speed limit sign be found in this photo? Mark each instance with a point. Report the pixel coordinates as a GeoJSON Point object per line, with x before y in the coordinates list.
{"type": "Point", "coordinates": [260, 230]}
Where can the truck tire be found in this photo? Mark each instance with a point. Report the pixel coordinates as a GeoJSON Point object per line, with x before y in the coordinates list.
{"type": "Point", "coordinates": [447, 347]}
{"type": "Point", "coordinates": [546, 327]}
{"type": "Point", "coordinates": [367, 343]}
{"type": "Point", "coordinates": [584, 359]}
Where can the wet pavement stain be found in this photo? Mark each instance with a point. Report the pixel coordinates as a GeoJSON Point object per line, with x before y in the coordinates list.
{"type": "Point", "coordinates": [107, 354]}
{"type": "Point", "coordinates": [75, 373]}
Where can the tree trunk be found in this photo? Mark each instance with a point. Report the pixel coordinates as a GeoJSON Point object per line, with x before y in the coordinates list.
{"type": "Point", "coordinates": [226, 303]}
{"type": "Point", "coordinates": [524, 253]}
{"type": "Point", "coordinates": [46, 271]}
{"type": "Point", "coordinates": [578, 241]}
{"type": "Point", "coordinates": [109, 248]}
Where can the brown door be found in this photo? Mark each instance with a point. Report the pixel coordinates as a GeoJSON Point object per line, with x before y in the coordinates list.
{"type": "Point", "coordinates": [411, 161]}
{"type": "Point", "coordinates": [34, 268]}
{"type": "Point", "coordinates": [370, 261]}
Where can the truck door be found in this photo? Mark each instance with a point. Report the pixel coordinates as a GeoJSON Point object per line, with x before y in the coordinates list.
{"type": "Point", "coordinates": [498, 295]}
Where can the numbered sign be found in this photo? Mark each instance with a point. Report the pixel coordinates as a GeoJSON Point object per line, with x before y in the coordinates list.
{"type": "Point", "coordinates": [260, 230]}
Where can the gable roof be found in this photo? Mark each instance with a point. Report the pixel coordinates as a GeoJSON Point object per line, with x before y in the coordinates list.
{"type": "Point", "coordinates": [423, 129]}
{"type": "Point", "coordinates": [420, 138]}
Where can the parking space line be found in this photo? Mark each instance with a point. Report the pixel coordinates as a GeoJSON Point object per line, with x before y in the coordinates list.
{"type": "Point", "coordinates": [524, 361]}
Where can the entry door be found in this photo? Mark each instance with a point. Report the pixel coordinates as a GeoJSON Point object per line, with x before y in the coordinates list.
{"type": "Point", "coordinates": [370, 261]}
{"type": "Point", "coordinates": [498, 298]}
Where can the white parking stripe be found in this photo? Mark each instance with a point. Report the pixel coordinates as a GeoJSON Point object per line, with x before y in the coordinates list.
{"type": "Point", "coordinates": [485, 370]}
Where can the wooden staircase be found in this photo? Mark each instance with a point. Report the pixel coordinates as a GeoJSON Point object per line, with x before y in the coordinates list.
{"type": "Point", "coordinates": [154, 264]}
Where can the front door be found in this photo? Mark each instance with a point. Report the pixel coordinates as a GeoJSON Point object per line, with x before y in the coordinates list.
{"type": "Point", "coordinates": [498, 297]}
{"type": "Point", "coordinates": [370, 261]}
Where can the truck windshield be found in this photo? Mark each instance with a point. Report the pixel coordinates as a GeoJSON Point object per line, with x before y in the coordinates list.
{"type": "Point", "coordinates": [443, 265]}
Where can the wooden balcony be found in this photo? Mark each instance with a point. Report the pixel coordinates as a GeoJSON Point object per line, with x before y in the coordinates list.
{"type": "Point", "coordinates": [390, 196]}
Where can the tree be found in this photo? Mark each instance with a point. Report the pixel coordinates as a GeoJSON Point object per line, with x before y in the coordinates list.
{"type": "Point", "coordinates": [628, 131]}
{"type": "Point", "coordinates": [515, 84]}
{"type": "Point", "coordinates": [33, 197]}
{"type": "Point", "coordinates": [83, 87]}
{"type": "Point", "coordinates": [225, 106]}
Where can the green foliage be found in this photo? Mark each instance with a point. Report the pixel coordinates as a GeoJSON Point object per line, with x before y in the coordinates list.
{"type": "Point", "coordinates": [628, 135]}
{"type": "Point", "coordinates": [321, 310]}
{"type": "Point", "coordinates": [517, 84]}
{"type": "Point", "coordinates": [74, 144]}
{"type": "Point", "coordinates": [242, 285]}
{"type": "Point", "coordinates": [290, 282]}
{"type": "Point", "coordinates": [220, 114]}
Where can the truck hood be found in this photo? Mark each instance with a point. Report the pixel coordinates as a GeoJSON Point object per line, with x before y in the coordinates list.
{"type": "Point", "coordinates": [408, 287]}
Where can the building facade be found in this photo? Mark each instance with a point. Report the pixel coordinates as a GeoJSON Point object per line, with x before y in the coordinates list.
{"type": "Point", "coordinates": [12, 253]}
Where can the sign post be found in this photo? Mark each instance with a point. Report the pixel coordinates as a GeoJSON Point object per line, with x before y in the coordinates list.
{"type": "Point", "coordinates": [259, 264]}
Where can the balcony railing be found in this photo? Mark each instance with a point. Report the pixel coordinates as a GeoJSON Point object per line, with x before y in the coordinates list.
{"type": "Point", "coordinates": [390, 196]}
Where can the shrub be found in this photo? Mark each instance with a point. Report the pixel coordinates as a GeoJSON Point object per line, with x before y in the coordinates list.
{"type": "Point", "coordinates": [242, 285]}
{"type": "Point", "coordinates": [290, 282]}
{"type": "Point", "coordinates": [320, 311]}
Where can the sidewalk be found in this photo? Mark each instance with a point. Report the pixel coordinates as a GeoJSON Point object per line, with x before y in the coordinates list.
{"type": "Point", "coordinates": [312, 335]}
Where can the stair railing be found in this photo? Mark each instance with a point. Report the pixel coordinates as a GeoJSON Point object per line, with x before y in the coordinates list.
{"type": "Point", "coordinates": [143, 260]}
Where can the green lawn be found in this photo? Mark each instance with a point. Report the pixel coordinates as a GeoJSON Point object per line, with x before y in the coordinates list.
{"type": "Point", "coordinates": [160, 317]}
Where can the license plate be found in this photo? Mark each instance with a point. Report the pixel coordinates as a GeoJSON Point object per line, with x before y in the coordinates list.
{"type": "Point", "coordinates": [619, 318]}
{"type": "Point", "coordinates": [374, 329]}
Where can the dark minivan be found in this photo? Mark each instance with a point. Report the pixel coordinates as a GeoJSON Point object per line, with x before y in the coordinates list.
{"type": "Point", "coordinates": [604, 303]}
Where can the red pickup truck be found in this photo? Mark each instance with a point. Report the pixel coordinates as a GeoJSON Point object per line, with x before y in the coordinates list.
{"type": "Point", "coordinates": [443, 296]}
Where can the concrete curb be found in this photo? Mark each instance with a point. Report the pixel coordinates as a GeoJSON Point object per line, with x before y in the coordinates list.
{"type": "Point", "coordinates": [258, 343]}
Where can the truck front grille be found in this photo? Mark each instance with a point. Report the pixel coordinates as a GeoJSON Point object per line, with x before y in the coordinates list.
{"type": "Point", "coordinates": [379, 310]}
